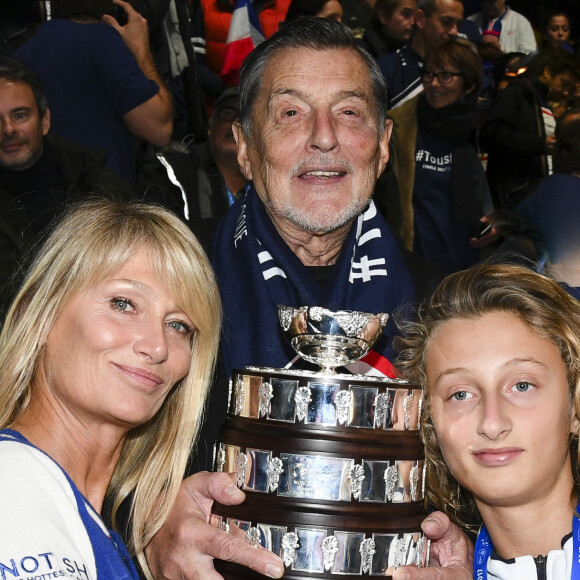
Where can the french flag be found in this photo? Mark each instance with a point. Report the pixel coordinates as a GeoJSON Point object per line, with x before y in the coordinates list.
{"type": "Point", "coordinates": [244, 35]}
{"type": "Point", "coordinates": [374, 364]}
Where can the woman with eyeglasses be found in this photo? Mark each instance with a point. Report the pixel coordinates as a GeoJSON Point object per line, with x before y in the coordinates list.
{"type": "Point", "coordinates": [442, 184]}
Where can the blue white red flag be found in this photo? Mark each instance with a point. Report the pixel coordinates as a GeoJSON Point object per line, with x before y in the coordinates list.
{"type": "Point", "coordinates": [375, 365]}
{"type": "Point", "coordinates": [244, 35]}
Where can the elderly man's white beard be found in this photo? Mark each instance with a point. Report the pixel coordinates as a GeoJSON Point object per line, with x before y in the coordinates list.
{"type": "Point", "coordinates": [316, 224]}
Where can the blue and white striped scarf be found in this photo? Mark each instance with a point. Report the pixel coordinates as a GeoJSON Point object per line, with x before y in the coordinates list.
{"type": "Point", "coordinates": [257, 271]}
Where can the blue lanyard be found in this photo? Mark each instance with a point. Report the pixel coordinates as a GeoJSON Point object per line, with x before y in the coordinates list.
{"type": "Point", "coordinates": [484, 548]}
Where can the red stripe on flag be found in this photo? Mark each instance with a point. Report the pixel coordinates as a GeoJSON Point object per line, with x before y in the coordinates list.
{"type": "Point", "coordinates": [382, 364]}
{"type": "Point", "coordinates": [234, 56]}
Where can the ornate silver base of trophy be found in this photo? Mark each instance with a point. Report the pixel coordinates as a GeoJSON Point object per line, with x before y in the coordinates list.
{"type": "Point", "coordinates": [332, 466]}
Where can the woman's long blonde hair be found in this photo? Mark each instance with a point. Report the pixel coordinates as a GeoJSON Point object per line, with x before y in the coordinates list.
{"type": "Point", "coordinates": [92, 241]}
{"type": "Point", "coordinates": [541, 304]}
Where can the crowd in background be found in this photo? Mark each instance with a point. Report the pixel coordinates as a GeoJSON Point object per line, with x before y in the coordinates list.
{"type": "Point", "coordinates": [469, 122]}
{"type": "Point", "coordinates": [433, 195]}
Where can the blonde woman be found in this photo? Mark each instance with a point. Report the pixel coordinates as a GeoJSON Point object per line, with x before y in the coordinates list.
{"type": "Point", "coordinates": [106, 356]}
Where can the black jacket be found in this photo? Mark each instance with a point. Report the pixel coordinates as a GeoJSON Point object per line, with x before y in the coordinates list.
{"type": "Point", "coordinates": [83, 175]}
{"type": "Point", "coordinates": [514, 137]}
{"type": "Point", "coordinates": [192, 187]}
{"type": "Point", "coordinates": [376, 42]}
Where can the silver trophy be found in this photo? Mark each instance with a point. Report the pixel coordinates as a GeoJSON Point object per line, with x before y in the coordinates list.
{"type": "Point", "coordinates": [332, 464]}
{"type": "Point", "coordinates": [330, 339]}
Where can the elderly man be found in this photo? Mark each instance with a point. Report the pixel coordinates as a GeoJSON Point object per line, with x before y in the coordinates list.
{"type": "Point", "coordinates": [435, 22]}
{"type": "Point", "coordinates": [313, 143]}
{"type": "Point", "coordinates": [313, 138]}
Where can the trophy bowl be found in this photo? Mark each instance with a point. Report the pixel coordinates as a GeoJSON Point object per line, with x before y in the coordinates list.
{"type": "Point", "coordinates": [329, 338]}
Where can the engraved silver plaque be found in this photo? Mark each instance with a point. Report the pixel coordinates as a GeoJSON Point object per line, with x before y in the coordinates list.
{"type": "Point", "coordinates": [271, 537]}
{"type": "Point", "coordinates": [315, 477]}
{"type": "Point", "coordinates": [349, 557]}
{"type": "Point", "coordinates": [374, 487]}
{"type": "Point", "coordinates": [380, 562]}
{"type": "Point", "coordinates": [282, 404]}
{"type": "Point", "coordinates": [322, 409]}
{"type": "Point", "coordinates": [363, 407]}
{"type": "Point", "coordinates": [257, 470]}
{"type": "Point", "coordinates": [402, 492]}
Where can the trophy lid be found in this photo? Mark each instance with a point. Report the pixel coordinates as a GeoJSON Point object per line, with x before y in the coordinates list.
{"type": "Point", "coordinates": [330, 338]}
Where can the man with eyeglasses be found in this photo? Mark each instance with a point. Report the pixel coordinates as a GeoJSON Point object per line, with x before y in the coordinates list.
{"type": "Point", "coordinates": [435, 22]}
{"type": "Point", "coordinates": [41, 174]}
{"type": "Point", "coordinates": [501, 25]}
{"type": "Point", "coordinates": [203, 180]}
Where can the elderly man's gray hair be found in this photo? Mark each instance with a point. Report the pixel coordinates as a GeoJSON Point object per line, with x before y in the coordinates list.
{"type": "Point", "coordinates": [313, 33]}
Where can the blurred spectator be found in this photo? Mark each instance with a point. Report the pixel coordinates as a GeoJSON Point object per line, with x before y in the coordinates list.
{"type": "Point", "coordinates": [442, 184]}
{"type": "Point", "coordinates": [102, 84]}
{"type": "Point", "coordinates": [499, 24]}
{"type": "Point", "coordinates": [321, 8]}
{"type": "Point", "coordinates": [435, 22]}
{"type": "Point", "coordinates": [39, 173]}
{"type": "Point", "coordinates": [544, 226]}
{"type": "Point", "coordinates": [202, 180]}
{"type": "Point", "coordinates": [391, 26]}
{"type": "Point", "coordinates": [554, 208]}
{"type": "Point", "coordinates": [556, 31]}
{"type": "Point", "coordinates": [518, 134]}
{"type": "Point", "coordinates": [356, 15]}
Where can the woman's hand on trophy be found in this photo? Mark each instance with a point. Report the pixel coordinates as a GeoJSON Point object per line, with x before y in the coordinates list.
{"type": "Point", "coordinates": [186, 545]}
{"type": "Point", "coordinates": [451, 555]}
